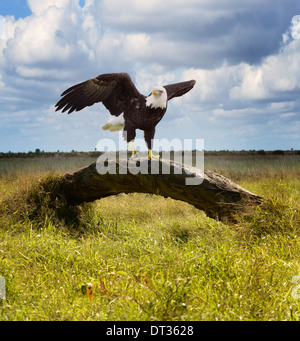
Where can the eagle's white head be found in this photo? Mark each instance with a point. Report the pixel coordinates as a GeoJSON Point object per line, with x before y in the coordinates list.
{"type": "Point", "coordinates": [158, 98]}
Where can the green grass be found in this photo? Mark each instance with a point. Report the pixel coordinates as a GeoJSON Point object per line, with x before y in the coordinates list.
{"type": "Point", "coordinates": [149, 258]}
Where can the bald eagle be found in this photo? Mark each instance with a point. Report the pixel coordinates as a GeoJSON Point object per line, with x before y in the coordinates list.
{"type": "Point", "coordinates": [120, 96]}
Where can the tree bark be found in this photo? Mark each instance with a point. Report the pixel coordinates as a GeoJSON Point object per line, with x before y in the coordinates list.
{"type": "Point", "coordinates": [216, 195]}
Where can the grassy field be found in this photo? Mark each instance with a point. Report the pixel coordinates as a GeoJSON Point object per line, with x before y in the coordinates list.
{"type": "Point", "coordinates": [150, 258]}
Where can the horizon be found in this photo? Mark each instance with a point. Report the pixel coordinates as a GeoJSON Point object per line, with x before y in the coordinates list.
{"type": "Point", "coordinates": [37, 151]}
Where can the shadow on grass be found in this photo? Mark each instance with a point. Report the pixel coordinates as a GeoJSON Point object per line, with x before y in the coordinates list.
{"type": "Point", "coordinates": [274, 217]}
{"type": "Point", "coordinates": [42, 201]}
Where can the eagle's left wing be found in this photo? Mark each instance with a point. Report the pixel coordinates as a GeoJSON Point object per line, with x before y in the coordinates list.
{"type": "Point", "coordinates": [112, 89]}
{"type": "Point", "coordinates": [179, 89]}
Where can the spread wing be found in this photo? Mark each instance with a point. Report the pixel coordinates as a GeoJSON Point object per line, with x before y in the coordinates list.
{"type": "Point", "coordinates": [112, 89]}
{"type": "Point", "coordinates": [179, 89]}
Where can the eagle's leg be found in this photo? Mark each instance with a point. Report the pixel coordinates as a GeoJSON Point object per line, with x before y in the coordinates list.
{"type": "Point", "coordinates": [132, 148]}
{"type": "Point", "coordinates": [149, 135]}
{"type": "Point", "coordinates": [129, 136]}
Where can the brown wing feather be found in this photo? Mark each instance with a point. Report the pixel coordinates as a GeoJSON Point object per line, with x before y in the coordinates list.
{"type": "Point", "coordinates": [179, 89]}
{"type": "Point", "coordinates": [112, 89]}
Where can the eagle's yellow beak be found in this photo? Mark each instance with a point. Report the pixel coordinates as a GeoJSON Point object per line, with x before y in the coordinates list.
{"type": "Point", "coordinates": [155, 92]}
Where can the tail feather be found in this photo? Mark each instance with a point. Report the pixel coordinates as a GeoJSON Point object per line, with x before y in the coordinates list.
{"type": "Point", "coordinates": [115, 124]}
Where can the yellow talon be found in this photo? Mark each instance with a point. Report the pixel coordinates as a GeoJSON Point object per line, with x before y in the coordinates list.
{"type": "Point", "coordinates": [151, 156]}
{"type": "Point", "coordinates": [131, 147]}
{"type": "Point", "coordinates": [134, 152]}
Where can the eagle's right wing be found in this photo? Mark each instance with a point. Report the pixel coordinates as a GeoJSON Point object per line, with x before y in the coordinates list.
{"type": "Point", "coordinates": [179, 89]}
{"type": "Point", "coordinates": [112, 89]}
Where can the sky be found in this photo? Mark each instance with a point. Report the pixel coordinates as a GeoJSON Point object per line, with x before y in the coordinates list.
{"type": "Point", "coordinates": [244, 55]}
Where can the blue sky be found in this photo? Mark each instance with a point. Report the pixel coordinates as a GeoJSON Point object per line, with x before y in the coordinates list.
{"type": "Point", "coordinates": [243, 54]}
{"type": "Point", "coordinates": [17, 8]}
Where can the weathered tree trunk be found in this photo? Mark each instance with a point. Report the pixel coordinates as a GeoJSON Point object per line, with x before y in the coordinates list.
{"type": "Point", "coordinates": [217, 196]}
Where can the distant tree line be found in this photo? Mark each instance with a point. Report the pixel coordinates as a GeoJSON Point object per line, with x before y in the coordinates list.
{"type": "Point", "coordinates": [253, 152]}
{"type": "Point", "coordinates": [73, 153]}
{"type": "Point", "coordinates": [41, 153]}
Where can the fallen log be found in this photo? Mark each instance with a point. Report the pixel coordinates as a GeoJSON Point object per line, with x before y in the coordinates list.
{"type": "Point", "coordinates": [216, 195]}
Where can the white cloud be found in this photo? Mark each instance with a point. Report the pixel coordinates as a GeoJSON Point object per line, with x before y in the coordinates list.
{"type": "Point", "coordinates": [59, 33]}
{"type": "Point", "coordinates": [274, 78]}
{"type": "Point", "coordinates": [213, 84]}
{"type": "Point", "coordinates": [2, 27]}
{"type": "Point", "coordinates": [147, 79]}
{"type": "Point", "coordinates": [252, 87]}
{"type": "Point", "coordinates": [39, 7]}
{"type": "Point", "coordinates": [295, 29]}
{"type": "Point", "coordinates": [136, 45]}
